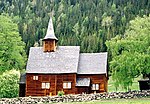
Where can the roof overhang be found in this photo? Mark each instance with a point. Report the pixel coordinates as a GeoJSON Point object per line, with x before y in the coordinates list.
{"type": "Point", "coordinates": [83, 82]}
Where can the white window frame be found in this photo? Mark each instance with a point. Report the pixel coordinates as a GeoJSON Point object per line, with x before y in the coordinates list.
{"type": "Point", "coordinates": [95, 86]}
{"type": "Point", "coordinates": [45, 85]}
{"type": "Point", "coordinates": [35, 77]}
{"type": "Point", "coordinates": [67, 85]}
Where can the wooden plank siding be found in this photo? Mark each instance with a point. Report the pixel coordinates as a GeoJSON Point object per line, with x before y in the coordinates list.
{"type": "Point", "coordinates": [100, 79]}
{"type": "Point", "coordinates": [49, 45]}
{"type": "Point", "coordinates": [81, 90]}
{"type": "Point", "coordinates": [34, 87]}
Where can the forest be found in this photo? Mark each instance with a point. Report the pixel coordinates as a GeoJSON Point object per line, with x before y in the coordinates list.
{"type": "Point", "coordinates": [86, 23]}
{"type": "Point", "coordinates": [120, 27]}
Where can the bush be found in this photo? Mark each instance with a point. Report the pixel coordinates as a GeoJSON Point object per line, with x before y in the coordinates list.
{"type": "Point", "coordinates": [60, 93]}
{"type": "Point", "coordinates": [9, 86]}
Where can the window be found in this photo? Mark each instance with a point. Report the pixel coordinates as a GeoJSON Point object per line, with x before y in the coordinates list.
{"type": "Point", "coordinates": [45, 85]}
{"type": "Point", "coordinates": [67, 85]}
{"type": "Point", "coordinates": [35, 77]}
{"type": "Point", "coordinates": [95, 86]}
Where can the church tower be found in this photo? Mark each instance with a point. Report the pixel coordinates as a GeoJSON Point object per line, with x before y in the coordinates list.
{"type": "Point", "coordinates": [50, 40]}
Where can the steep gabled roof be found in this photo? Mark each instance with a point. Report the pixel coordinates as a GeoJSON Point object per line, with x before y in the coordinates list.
{"type": "Point", "coordinates": [92, 63]}
{"type": "Point", "coordinates": [66, 59]}
{"type": "Point", "coordinates": [63, 60]}
{"type": "Point", "coordinates": [50, 31]}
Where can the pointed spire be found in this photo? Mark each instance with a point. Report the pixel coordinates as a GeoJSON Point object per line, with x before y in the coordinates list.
{"type": "Point", "coordinates": [50, 31]}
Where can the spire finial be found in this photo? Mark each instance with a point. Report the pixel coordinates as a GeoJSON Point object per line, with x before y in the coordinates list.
{"type": "Point", "coordinates": [50, 31]}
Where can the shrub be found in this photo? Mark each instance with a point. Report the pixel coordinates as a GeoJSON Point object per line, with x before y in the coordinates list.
{"type": "Point", "coordinates": [9, 86]}
{"type": "Point", "coordinates": [60, 93]}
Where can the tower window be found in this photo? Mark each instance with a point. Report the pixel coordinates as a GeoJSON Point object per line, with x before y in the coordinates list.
{"type": "Point", "coordinates": [46, 42]}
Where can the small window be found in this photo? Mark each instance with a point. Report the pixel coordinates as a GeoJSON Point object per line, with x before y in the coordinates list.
{"type": "Point", "coordinates": [67, 85]}
{"type": "Point", "coordinates": [45, 85]}
{"type": "Point", "coordinates": [95, 86]}
{"type": "Point", "coordinates": [35, 77]}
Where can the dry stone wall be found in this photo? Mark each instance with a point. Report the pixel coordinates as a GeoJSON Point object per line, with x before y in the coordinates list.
{"type": "Point", "coordinates": [75, 98]}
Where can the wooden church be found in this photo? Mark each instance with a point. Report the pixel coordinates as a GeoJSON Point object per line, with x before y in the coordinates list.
{"type": "Point", "coordinates": [53, 68]}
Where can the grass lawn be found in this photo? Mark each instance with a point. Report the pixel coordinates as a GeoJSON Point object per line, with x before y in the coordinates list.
{"type": "Point", "coordinates": [111, 88]}
{"type": "Point", "coordinates": [116, 101]}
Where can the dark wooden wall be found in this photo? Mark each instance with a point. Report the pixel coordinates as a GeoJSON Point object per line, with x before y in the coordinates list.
{"type": "Point", "coordinates": [34, 87]}
{"type": "Point", "coordinates": [100, 79]}
{"type": "Point", "coordinates": [49, 46]}
{"type": "Point", "coordinates": [81, 90]}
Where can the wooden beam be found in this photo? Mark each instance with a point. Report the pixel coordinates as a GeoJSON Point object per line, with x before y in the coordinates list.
{"type": "Point", "coordinates": [55, 84]}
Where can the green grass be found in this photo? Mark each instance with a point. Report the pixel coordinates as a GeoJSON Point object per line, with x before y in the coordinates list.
{"type": "Point", "coordinates": [111, 87]}
{"type": "Point", "coordinates": [115, 101]}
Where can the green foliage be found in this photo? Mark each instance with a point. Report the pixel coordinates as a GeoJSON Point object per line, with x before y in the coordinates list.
{"type": "Point", "coordinates": [9, 84]}
{"type": "Point", "coordinates": [60, 93]}
{"type": "Point", "coordinates": [12, 54]}
{"type": "Point", "coordinates": [130, 55]}
{"type": "Point", "coordinates": [76, 22]}
{"type": "Point", "coordinates": [112, 88]}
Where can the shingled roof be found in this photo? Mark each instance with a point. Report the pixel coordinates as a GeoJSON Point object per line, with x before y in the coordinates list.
{"type": "Point", "coordinates": [92, 63]}
{"type": "Point", "coordinates": [63, 60]}
{"type": "Point", "coordinates": [66, 59]}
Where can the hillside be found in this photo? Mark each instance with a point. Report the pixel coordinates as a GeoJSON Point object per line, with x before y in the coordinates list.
{"type": "Point", "coordinates": [87, 23]}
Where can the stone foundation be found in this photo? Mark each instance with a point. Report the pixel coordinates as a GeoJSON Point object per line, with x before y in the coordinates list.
{"type": "Point", "coordinates": [75, 98]}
